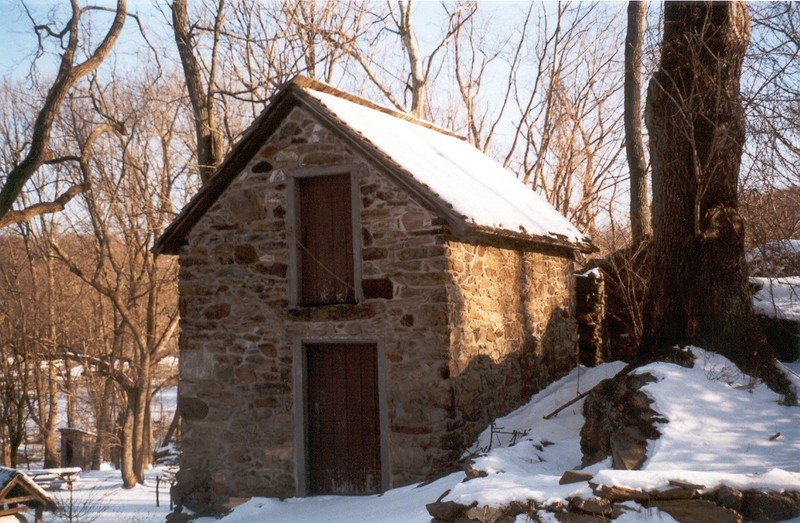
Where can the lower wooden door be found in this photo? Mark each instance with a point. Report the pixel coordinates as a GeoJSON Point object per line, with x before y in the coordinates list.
{"type": "Point", "coordinates": [343, 422]}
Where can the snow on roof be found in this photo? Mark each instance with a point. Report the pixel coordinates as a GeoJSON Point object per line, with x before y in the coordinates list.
{"type": "Point", "coordinates": [480, 190]}
{"type": "Point", "coordinates": [9, 475]}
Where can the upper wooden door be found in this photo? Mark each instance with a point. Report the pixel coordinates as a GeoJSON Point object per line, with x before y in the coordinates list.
{"type": "Point", "coordinates": [343, 418]}
{"type": "Point", "coordinates": [326, 240]}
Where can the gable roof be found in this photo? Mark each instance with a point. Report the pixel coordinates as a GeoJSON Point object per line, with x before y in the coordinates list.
{"type": "Point", "coordinates": [17, 487]}
{"type": "Point", "coordinates": [480, 198]}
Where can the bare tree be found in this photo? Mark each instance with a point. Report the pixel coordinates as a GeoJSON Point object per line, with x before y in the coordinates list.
{"type": "Point", "coordinates": [209, 139]}
{"type": "Point", "coordinates": [568, 140]}
{"type": "Point", "coordinates": [639, 208]}
{"type": "Point", "coordinates": [771, 178]}
{"type": "Point", "coordinates": [69, 73]}
{"type": "Point", "coordinates": [131, 202]}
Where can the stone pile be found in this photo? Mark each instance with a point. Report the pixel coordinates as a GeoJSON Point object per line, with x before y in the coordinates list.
{"type": "Point", "coordinates": [685, 502]}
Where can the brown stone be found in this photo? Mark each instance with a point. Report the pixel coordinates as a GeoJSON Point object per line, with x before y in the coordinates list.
{"type": "Point", "coordinates": [272, 269]}
{"type": "Point", "coordinates": [446, 510]}
{"type": "Point", "coordinates": [374, 253]}
{"type": "Point", "coordinates": [484, 514]}
{"type": "Point", "coordinates": [761, 506]}
{"type": "Point", "coordinates": [675, 493]}
{"type": "Point", "coordinates": [262, 167]}
{"type": "Point", "coordinates": [596, 506]}
{"type": "Point", "coordinates": [574, 476]}
{"type": "Point", "coordinates": [413, 220]}
{"type": "Point", "coordinates": [268, 350]}
{"type": "Point", "coordinates": [728, 497]}
{"type": "Point", "coordinates": [217, 311]}
{"type": "Point", "coordinates": [697, 511]}
{"type": "Point", "coordinates": [378, 288]}
{"type": "Point", "coordinates": [407, 320]}
{"type": "Point", "coordinates": [628, 448]}
{"type": "Point", "coordinates": [472, 472]}
{"type": "Point", "coordinates": [191, 408]}
{"type": "Point", "coordinates": [244, 254]}
{"type": "Point", "coordinates": [615, 493]}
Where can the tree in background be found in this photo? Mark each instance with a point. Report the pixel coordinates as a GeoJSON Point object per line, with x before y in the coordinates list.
{"type": "Point", "coordinates": [639, 208]}
{"type": "Point", "coordinates": [771, 175]}
{"type": "Point", "coordinates": [38, 150]}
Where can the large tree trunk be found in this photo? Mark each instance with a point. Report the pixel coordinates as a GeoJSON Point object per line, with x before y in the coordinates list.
{"type": "Point", "coordinates": [129, 479]}
{"type": "Point", "coordinates": [698, 291]}
{"type": "Point", "coordinates": [103, 424]}
{"type": "Point", "coordinates": [141, 460]}
{"type": "Point", "coordinates": [639, 208]}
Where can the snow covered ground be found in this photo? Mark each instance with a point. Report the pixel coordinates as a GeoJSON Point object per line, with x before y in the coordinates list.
{"type": "Point", "coordinates": [778, 297]}
{"type": "Point", "coordinates": [722, 430]}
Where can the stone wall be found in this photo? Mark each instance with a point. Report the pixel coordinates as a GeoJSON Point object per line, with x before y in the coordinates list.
{"type": "Point", "coordinates": [238, 330]}
{"type": "Point", "coordinates": [512, 328]}
{"type": "Point", "coordinates": [456, 322]}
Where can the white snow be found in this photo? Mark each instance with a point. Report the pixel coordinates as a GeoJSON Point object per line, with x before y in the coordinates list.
{"type": "Point", "coordinates": [723, 428]}
{"type": "Point", "coordinates": [478, 188]}
{"type": "Point", "coordinates": [778, 297]}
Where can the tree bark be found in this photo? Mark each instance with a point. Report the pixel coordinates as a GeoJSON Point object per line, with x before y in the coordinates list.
{"type": "Point", "coordinates": [639, 208]}
{"type": "Point", "coordinates": [698, 291]}
{"type": "Point", "coordinates": [209, 141]}
{"type": "Point", "coordinates": [103, 424]}
{"type": "Point", "coordinates": [129, 479]}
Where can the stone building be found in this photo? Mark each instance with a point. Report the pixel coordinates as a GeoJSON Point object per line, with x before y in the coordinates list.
{"type": "Point", "coordinates": [361, 294]}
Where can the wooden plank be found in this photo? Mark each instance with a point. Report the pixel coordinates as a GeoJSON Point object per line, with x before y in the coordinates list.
{"type": "Point", "coordinates": [326, 240]}
{"type": "Point", "coordinates": [371, 444]}
{"type": "Point", "coordinates": [355, 416]}
{"type": "Point", "coordinates": [340, 436]}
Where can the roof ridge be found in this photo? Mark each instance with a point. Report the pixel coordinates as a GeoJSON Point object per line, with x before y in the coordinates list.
{"type": "Point", "coordinates": [303, 82]}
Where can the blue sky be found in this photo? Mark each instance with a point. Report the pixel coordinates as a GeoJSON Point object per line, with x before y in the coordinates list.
{"type": "Point", "coordinates": [18, 40]}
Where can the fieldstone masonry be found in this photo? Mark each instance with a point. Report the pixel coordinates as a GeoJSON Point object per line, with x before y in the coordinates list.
{"type": "Point", "coordinates": [468, 330]}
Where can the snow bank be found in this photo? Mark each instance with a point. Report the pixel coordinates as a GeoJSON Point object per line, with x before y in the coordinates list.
{"type": "Point", "coordinates": [778, 297]}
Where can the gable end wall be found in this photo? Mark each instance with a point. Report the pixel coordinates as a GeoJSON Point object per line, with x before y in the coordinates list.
{"type": "Point", "coordinates": [240, 336]}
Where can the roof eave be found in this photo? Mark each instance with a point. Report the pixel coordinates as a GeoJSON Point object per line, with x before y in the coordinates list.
{"type": "Point", "coordinates": [176, 234]}
{"type": "Point", "coordinates": [551, 244]}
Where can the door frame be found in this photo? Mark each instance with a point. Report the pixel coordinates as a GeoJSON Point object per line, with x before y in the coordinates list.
{"type": "Point", "coordinates": [356, 173]}
{"type": "Point", "coordinates": [300, 414]}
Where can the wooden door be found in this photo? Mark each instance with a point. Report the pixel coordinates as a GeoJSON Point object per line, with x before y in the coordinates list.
{"type": "Point", "coordinates": [343, 419]}
{"type": "Point", "coordinates": [326, 240]}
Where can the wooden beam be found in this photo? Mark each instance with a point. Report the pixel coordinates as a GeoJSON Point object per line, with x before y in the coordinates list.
{"type": "Point", "coordinates": [20, 499]}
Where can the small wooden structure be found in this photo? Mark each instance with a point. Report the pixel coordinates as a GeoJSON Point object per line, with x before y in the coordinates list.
{"type": "Point", "coordinates": [17, 489]}
{"type": "Point", "coordinates": [76, 448]}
